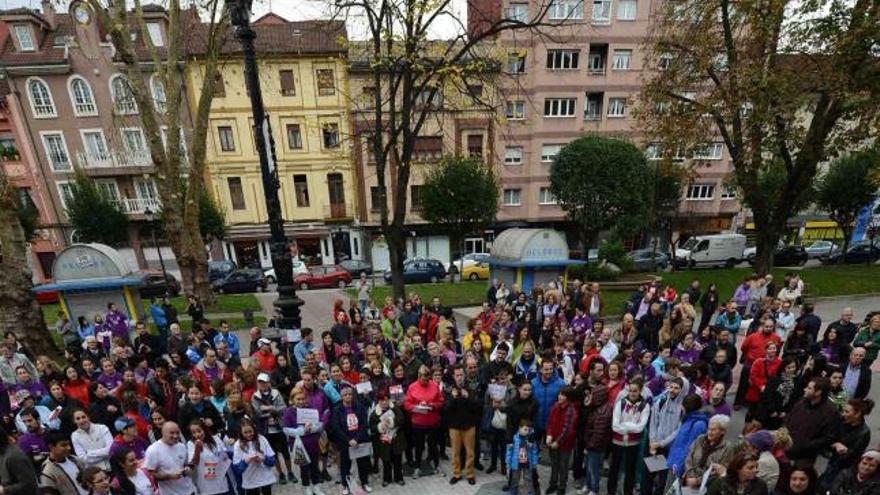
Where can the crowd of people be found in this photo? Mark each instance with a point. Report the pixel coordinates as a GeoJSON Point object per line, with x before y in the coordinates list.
{"type": "Point", "coordinates": [391, 388]}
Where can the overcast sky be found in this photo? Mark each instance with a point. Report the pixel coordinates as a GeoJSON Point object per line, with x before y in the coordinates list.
{"type": "Point", "coordinates": [301, 10]}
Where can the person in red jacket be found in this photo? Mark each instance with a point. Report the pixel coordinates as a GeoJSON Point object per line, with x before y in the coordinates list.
{"type": "Point", "coordinates": [424, 402]}
{"type": "Point", "coordinates": [264, 358]}
{"type": "Point", "coordinates": [428, 325]}
{"type": "Point", "coordinates": [561, 436]}
{"type": "Point", "coordinates": [761, 371]}
{"type": "Point", "coordinates": [753, 348]}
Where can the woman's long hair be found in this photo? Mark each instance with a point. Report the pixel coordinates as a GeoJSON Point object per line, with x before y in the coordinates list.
{"type": "Point", "coordinates": [118, 472]}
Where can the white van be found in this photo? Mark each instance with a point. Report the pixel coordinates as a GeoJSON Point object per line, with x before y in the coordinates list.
{"type": "Point", "coordinates": [711, 250]}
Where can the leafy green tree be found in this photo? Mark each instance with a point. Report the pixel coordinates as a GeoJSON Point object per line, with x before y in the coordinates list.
{"type": "Point", "coordinates": [212, 223]}
{"type": "Point", "coordinates": [667, 181]}
{"type": "Point", "coordinates": [461, 196]}
{"type": "Point", "coordinates": [848, 186]}
{"type": "Point", "coordinates": [94, 216]}
{"type": "Point", "coordinates": [603, 183]}
{"type": "Point", "coordinates": [783, 84]}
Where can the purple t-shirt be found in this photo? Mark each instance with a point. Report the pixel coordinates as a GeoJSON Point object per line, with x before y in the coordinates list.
{"type": "Point", "coordinates": [138, 446]}
{"type": "Point", "coordinates": [33, 445]}
{"type": "Point", "coordinates": [110, 381]}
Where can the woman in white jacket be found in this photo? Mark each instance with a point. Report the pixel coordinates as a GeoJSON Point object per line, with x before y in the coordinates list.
{"type": "Point", "coordinates": [210, 461]}
{"type": "Point", "coordinates": [628, 422]}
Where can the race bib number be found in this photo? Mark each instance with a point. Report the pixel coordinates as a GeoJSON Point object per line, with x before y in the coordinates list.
{"type": "Point", "coordinates": [211, 470]}
{"type": "Point", "coordinates": [352, 421]}
{"type": "Point", "coordinates": [523, 456]}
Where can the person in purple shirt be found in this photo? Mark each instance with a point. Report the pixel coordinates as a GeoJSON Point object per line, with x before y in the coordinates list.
{"type": "Point", "coordinates": [103, 332]}
{"type": "Point", "coordinates": [127, 438]}
{"type": "Point", "coordinates": [580, 324]}
{"type": "Point", "coordinates": [117, 322]}
{"type": "Point", "coordinates": [686, 351]}
{"type": "Point", "coordinates": [717, 404]}
{"type": "Point", "coordinates": [33, 442]}
{"type": "Point", "coordinates": [26, 382]}
{"type": "Point", "coordinates": [641, 365]}
{"type": "Point", "coordinates": [109, 377]}
{"type": "Point", "coordinates": [307, 432]}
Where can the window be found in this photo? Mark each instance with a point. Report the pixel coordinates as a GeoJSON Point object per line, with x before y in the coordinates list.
{"type": "Point", "coordinates": [226, 138]}
{"type": "Point", "coordinates": [108, 189]}
{"type": "Point", "coordinates": [565, 9]}
{"type": "Point", "coordinates": [665, 61]}
{"type": "Point", "coordinates": [427, 148]}
{"type": "Point", "coordinates": [518, 12]}
{"type": "Point", "coordinates": [219, 85]}
{"type": "Point", "coordinates": [294, 137]}
{"type": "Point", "coordinates": [287, 86]}
{"type": "Point", "coordinates": [96, 147]}
{"type": "Point", "coordinates": [559, 107]}
{"type": "Point", "coordinates": [516, 110]}
{"type": "Point", "coordinates": [654, 151]}
{"type": "Point", "coordinates": [616, 107]}
{"type": "Point", "coordinates": [155, 32]}
{"type": "Point", "coordinates": [430, 98]}
{"type": "Point", "coordinates": [719, 62]}
{"type": "Point", "coordinates": [475, 91]}
{"type": "Point", "coordinates": [133, 140]}
{"type": "Point", "coordinates": [710, 151]}
{"type": "Point", "coordinates": [375, 199]}
{"type": "Point", "coordinates": [621, 60]}
{"type": "Point", "coordinates": [626, 10]}
{"type": "Point", "coordinates": [546, 197]}
{"type": "Point", "coordinates": [301, 190]}
{"type": "Point", "coordinates": [41, 99]}
{"type": "Point", "coordinates": [326, 84]}
{"type": "Point", "coordinates": [700, 192]}
{"type": "Point", "coordinates": [475, 145]}
{"type": "Point", "coordinates": [596, 63]}
{"type": "Point", "coordinates": [512, 197]}
{"type": "Point", "coordinates": [516, 63]}
{"type": "Point", "coordinates": [56, 151]}
{"type": "Point", "coordinates": [513, 155]}
{"type": "Point", "coordinates": [236, 193]}
{"type": "Point", "coordinates": [415, 197]}
{"type": "Point", "coordinates": [25, 38]}
{"type": "Point", "coordinates": [550, 151]}
{"type": "Point", "coordinates": [593, 106]}
{"type": "Point", "coordinates": [157, 87]}
{"type": "Point", "coordinates": [562, 59]}
{"type": "Point", "coordinates": [146, 189]}
{"type": "Point", "coordinates": [601, 11]}
{"type": "Point", "coordinates": [330, 133]}
{"type": "Point", "coordinates": [82, 97]}
{"type": "Point", "coordinates": [123, 99]}
{"type": "Point", "coordinates": [728, 191]}
{"type": "Point", "coordinates": [65, 192]}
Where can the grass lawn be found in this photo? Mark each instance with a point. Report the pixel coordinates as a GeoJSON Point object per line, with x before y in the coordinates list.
{"type": "Point", "coordinates": [821, 281]}
{"type": "Point", "coordinates": [226, 303]}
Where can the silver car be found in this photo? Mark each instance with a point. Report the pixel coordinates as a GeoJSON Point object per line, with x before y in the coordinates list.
{"type": "Point", "coordinates": [821, 248]}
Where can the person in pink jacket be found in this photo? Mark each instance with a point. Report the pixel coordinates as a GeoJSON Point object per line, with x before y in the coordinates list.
{"type": "Point", "coordinates": [423, 403]}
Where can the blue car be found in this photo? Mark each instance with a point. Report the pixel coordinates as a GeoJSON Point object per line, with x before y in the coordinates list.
{"type": "Point", "coordinates": [420, 270]}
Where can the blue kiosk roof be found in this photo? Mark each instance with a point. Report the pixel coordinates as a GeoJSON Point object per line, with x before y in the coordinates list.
{"type": "Point", "coordinates": [90, 284]}
{"type": "Point", "coordinates": [535, 263]}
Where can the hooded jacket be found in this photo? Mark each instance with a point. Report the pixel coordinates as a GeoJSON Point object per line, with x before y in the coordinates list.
{"type": "Point", "coordinates": [694, 425]}
{"type": "Point", "coordinates": [666, 417]}
{"type": "Point", "coordinates": [513, 452]}
{"type": "Point", "coordinates": [546, 395]}
{"type": "Point", "coordinates": [597, 429]}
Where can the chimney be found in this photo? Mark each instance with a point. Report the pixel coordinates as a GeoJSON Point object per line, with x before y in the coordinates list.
{"type": "Point", "coordinates": [49, 13]}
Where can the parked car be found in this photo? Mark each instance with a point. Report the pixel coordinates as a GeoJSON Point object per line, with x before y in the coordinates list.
{"type": "Point", "coordinates": [244, 280]}
{"type": "Point", "coordinates": [750, 252]}
{"type": "Point", "coordinates": [648, 260]}
{"type": "Point", "coordinates": [299, 268]}
{"type": "Point", "coordinates": [469, 260]}
{"type": "Point", "coordinates": [420, 270]}
{"type": "Point", "coordinates": [821, 248]}
{"type": "Point", "coordinates": [476, 271]}
{"type": "Point", "coordinates": [790, 256]}
{"type": "Point", "coordinates": [860, 252]}
{"type": "Point", "coordinates": [219, 269]}
{"type": "Point", "coordinates": [323, 276]}
{"type": "Point", "coordinates": [155, 286]}
{"type": "Point", "coordinates": [357, 267]}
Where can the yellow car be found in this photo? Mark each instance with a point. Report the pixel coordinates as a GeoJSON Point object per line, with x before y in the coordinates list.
{"type": "Point", "coordinates": [475, 271]}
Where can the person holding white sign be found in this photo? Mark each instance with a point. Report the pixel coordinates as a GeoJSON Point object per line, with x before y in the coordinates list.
{"type": "Point", "coordinates": [349, 428]}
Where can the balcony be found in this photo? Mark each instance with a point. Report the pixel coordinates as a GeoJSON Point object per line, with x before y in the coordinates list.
{"type": "Point", "coordinates": [137, 206]}
{"type": "Point", "coordinates": [338, 212]}
{"type": "Point", "coordinates": [112, 159]}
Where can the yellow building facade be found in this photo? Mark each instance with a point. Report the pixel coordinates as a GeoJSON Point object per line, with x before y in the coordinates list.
{"type": "Point", "coordinates": [303, 75]}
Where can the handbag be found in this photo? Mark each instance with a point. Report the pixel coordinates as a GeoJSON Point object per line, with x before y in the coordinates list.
{"type": "Point", "coordinates": [499, 420]}
{"type": "Point", "coordinates": [300, 455]}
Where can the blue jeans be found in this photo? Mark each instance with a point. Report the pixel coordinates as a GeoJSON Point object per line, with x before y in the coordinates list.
{"type": "Point", "coordinates": [594, 469]}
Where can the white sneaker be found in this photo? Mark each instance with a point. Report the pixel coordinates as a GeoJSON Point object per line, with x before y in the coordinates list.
{"type": "Point", "coordinates": [581, 491]}
{"type": "Point", "coordinates": [316, 490]}
{"type": "Point", "coordinates": [367, 488]}
{"type": "Point", "coordinates": [308, 490]}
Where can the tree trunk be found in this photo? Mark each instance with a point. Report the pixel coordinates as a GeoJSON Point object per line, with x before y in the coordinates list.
{"type": "Point", "coordinates": [767, 237]}
{"type": "Point", "coordinates": [396, 254]}
{"type": "Point", "coordinates": [19, 310]}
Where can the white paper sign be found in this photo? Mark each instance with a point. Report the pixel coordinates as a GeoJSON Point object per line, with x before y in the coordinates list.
{"type": "Point", "coordinates": [497, 391]}
{"type": "Point", "coordinates": [395, 392]}
{"type": "Point", "coordinates": [294, 335]}
{"type": "Point", "coordinates": [655, 463]}
{"type": "Point", "coordinates": [420, 409]}
{"type": "Point", "coordinates": [304, 416]}
{"type": "Point", "coordinates": [360, 450]}
{"type": "Point", "coordinates": [364, 387]}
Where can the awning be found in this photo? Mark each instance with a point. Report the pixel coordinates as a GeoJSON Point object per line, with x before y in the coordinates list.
{"type": "Point", "coordinates": [90, 284]}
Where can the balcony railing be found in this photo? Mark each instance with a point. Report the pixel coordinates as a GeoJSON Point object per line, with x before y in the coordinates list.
{"type": "Point", "coordinates": [138, 206]}
{"type": "Point", "coordinates": [109, 159]}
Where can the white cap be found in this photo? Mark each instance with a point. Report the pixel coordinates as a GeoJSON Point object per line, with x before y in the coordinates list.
{"type": "Point", "coordinates": [263, 377]}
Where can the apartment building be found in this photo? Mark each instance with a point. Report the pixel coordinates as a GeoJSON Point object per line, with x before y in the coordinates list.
{"type": "Point", "coordinates": [302, 67]}
{"type": "Point", "coordinates": [17, 162]}
{"type": "Point", "coordinates": [457, 124]}
{"type": "Point", "coordinates": [583, 76]}
{"type": "Point", "coordinates": [74, 110]}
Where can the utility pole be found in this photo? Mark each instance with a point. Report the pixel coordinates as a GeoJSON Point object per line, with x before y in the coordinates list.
{"type": "Point", "coordinates": [287, 303]}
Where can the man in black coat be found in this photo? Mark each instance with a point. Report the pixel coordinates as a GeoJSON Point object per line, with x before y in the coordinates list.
{"type": "Point", "coordinates": [649, 328]}
{"type": "Point", "coordinates": [461, 412]}
{"type": "Point", "coordinates": [857, 375]}
{"type": "Point", "coordinates": [810, 321]}
{"type": "Point", "coordinates": [846, 329]}
{"type": "Point", "coordinates": [813, 423]}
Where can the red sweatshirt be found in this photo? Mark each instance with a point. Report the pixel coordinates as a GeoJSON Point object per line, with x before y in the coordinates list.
{"type": "Point", "coordinates": [562, 425]}
{"type": "Point", "coordinates": [430, 393]}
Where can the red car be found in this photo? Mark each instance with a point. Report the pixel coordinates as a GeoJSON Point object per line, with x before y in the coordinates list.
{"type": "Point", "coordinates": [323, 276]}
